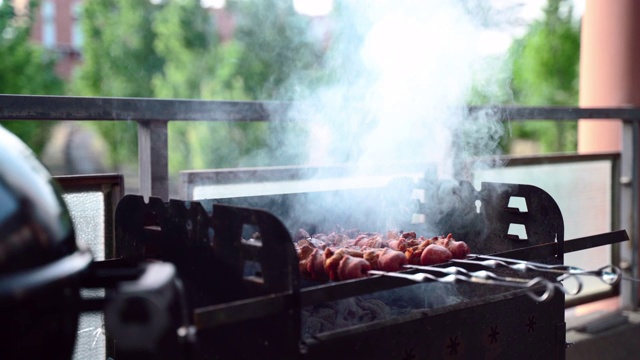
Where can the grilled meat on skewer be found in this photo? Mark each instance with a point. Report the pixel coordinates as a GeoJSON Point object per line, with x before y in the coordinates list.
{"type": "Point", "coordinates": [338, 257]}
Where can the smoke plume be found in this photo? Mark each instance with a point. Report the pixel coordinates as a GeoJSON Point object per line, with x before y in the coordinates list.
{"type": "Point", "coordinates": [401, 73]}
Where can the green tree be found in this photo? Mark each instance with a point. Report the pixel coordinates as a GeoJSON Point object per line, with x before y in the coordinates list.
{"type": "Point", "coordinates": [282, 55]}
{"type": "Point", "coordinates": [118, 60]}
{"type": "Point", "coordinates": [25, 68]}
{"type": "Point", "coordinates": [545, 73]}
{"type": "Point", "coordinates": [282, 60]}
{"type": "Point", "coordinates": [118, 54]}
{"type": "Point", "coordinates": [199, 66]}
{"type": "Point", "coordinates": [172, 50]}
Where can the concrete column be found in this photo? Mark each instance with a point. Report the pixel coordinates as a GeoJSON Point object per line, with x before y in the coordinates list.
{"type": "Point", "coordinates": [609, 68]}
{"type": "Point", "coordinates": [610, 77]}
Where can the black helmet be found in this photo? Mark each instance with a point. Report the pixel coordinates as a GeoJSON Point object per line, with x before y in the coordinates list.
{"type": "Point", "coordinates": [40, 261]}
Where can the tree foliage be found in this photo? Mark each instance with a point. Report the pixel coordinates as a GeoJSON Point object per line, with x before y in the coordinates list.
{"type": "Point", "coordinates": [284, 54]}
{"type": "Point", "coordinates": [545, 73]}
{"type": "Point", "coordinates": [25, 68]}
{"type": "Point", "coordinates": [119, 60]}
{"type": "Point", "coordinates": [172, 50]}
{"type": "Point", "coordinates": [199, 66]}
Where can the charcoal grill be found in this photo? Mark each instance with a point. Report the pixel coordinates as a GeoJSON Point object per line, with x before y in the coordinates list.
{"type": "Point", "coordinates": [248, 300]}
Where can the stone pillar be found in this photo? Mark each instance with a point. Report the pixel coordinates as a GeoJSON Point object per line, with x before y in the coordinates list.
{"type": "Point", "coordinates": [609, 68]}
{"type": "Point", "coordinates": [610, 77]}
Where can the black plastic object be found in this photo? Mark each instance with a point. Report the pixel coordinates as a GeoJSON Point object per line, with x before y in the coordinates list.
{"type": "Point", "coordinates": [40, 261]}
{"type": "Point", "coordinates": [145, 315]}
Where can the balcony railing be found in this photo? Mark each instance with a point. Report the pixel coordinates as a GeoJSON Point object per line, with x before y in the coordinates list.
{"type": "Point", "coordinates": [153, 116]}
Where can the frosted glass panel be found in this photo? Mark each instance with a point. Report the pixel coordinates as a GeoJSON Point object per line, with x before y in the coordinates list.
{"type": "Point", "coordinates": [87, 213]}
{"type": "Point", "coordinates": [91, 340]}
{"type": "Point", "coordinates": [583, 193]}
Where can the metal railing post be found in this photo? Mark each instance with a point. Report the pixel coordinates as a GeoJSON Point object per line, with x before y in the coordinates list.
{"type": "Point", "coordinates": [629, 212]}
{"type": "Point", "coordinates": [153, 161]}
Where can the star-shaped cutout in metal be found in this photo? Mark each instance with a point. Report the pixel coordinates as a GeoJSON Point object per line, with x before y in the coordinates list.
{"type": "Point", "coordinates": [493, 335]}
{"type": "Point", "coordinates": [531, 323]}
{"type": "Point", "coordinates": [453, 345]}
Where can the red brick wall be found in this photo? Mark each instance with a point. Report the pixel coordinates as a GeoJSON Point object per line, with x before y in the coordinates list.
{"type": "Point", "coordinates": [69, 55]}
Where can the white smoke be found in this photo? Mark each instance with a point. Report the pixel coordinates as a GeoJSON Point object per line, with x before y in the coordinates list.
{"type": "Point", "coordinates": [403, 71]}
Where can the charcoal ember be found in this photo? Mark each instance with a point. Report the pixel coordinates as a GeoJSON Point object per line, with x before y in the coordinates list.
{"type": "Point", "coordinates": [341, 314]}
{"type": "Point", "coordinates": [314, 326]}
{"type": "Point", "coordinates": [381, 306]}
{"type": "Point", "coordinates": [373, 310]}
{"type": "Point", "coordinates": [348, 313]}
{"type": "Point", "coordinates": [315, 320]}
{"type": "Point", "coordinates": [324, 313]}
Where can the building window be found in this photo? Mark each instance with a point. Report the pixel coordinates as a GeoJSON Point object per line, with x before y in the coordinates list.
{"type": "Point", "coordinates": [76, 31]}
{"type": "Point", "coordinates": [48, 24]}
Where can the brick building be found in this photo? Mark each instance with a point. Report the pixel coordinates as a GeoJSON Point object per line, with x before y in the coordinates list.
{"type": "Point", "coordinates": [57, 27]}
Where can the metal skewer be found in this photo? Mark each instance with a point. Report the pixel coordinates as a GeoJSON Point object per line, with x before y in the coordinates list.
{"type": "Point", "coordinates": [454, 274]}
{"type": "Point", "coordinates": [609, 274]}
{"type": "Point", "coordinates": [483, 274]}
